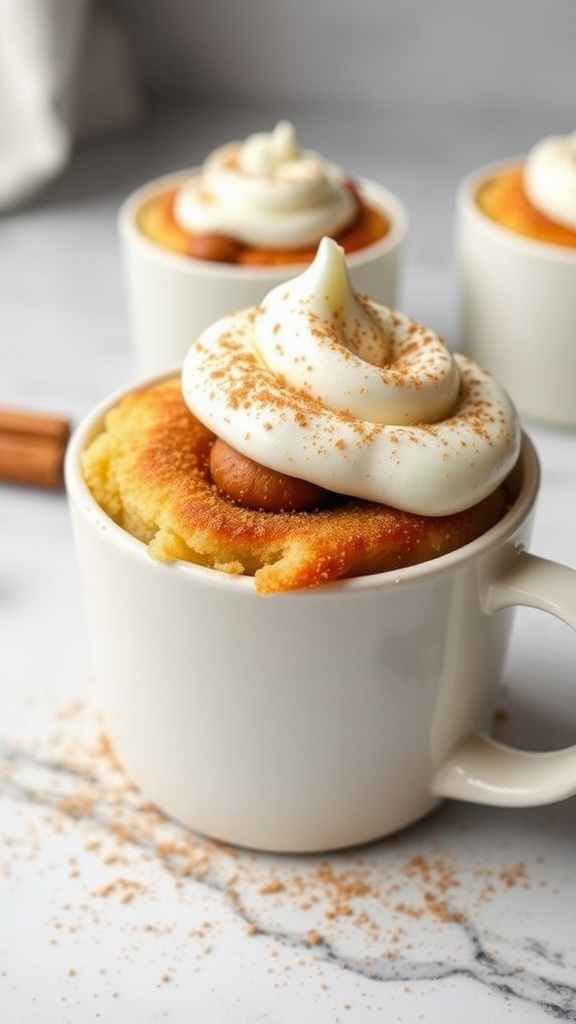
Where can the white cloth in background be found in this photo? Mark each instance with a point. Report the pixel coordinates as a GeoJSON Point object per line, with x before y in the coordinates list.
{"type": "Point", "coordinates": [65, 72]}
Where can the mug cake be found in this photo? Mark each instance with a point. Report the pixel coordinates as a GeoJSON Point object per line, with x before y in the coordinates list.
{"type": "Point", "coordinates": [315, 436]}
{"type": "Point", "coordinates": [262, 201]}
{"type": "Point", "coordinates": [206, 241]}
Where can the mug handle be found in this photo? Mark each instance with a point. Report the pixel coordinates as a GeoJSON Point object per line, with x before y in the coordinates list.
{"type": "Point", "coordinates": [482, 770]}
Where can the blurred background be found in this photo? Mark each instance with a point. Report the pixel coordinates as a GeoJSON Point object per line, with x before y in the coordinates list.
{"type": "Point", "coordinates": [97, 96]}
{"type": "Point", "coordinates": [395, 56]}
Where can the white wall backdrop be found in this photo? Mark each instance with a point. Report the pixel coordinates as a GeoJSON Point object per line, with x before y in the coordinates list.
{"type": "Point", "coordinates": [414, 93]}
{"type": "Point", "coordinates": [391, 53]}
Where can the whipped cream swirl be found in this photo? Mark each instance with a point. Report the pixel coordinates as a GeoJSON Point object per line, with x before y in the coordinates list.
{"type": "Point", "coordinates": [550, 178]}
{"type": "Point", "coordinates": [265, 191]}
{"type": "Point", "coordinates": [323, 384]}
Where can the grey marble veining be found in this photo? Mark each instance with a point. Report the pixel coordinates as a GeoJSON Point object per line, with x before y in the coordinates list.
{"type": "Point", "coordinates": [467, 897]}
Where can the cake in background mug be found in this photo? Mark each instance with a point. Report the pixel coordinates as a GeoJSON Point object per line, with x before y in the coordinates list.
{"type": "Point", "coordinates": [333, 455]}
{"type": "Point", "coordinates": [538, 197]}
{"type": "Point", "coordinates": [209, 240]}
{"type": "Point", "coordinates": [517, 242]}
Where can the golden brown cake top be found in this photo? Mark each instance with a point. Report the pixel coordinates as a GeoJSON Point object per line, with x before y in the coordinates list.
{"type": "Point", "coordinates": [148, 470]}
{"type": "Point", "coordinates": [503, 198]}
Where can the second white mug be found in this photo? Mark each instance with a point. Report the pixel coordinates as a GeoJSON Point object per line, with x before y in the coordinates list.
{"type": "Point", "coordinates": [171, 298]}
{"type": "Point", "coordinates": [518, 308]}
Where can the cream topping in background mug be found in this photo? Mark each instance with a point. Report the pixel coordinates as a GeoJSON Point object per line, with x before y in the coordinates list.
{"type": "Point", "coordinates": [266, 191]}
{"type": "Point", "coordinates": [550, 178]}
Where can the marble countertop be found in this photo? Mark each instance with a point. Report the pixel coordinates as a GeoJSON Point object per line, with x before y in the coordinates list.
{"type": "Point", "coordinates": [108, 911]}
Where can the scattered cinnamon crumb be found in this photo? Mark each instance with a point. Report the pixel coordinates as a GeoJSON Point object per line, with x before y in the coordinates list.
{"type": "Point", "coordinates": [136, 850]}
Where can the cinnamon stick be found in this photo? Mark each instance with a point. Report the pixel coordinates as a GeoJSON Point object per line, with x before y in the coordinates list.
{"type": "Point", "coordinates": [32, 448]}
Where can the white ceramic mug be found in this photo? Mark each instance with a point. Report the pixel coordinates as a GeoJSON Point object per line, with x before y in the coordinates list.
{"type": "Point", "coordinates": [518, 307]}
{"type": "Point", "coordinates": [322, 718]}
{"type": "Point", "coordinates": [171, 298]}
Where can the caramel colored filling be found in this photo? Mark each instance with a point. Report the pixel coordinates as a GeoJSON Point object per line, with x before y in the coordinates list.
{"type": "Point", "coordinates": [156, 221]}
{"type": "Point", "coordinates": [255, 486]}
{"type": "Point", "coordinates": [503, 199]}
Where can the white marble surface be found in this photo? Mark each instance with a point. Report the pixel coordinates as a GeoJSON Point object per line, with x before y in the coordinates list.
{"type": "Point", "coordinates": [107, 912]}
